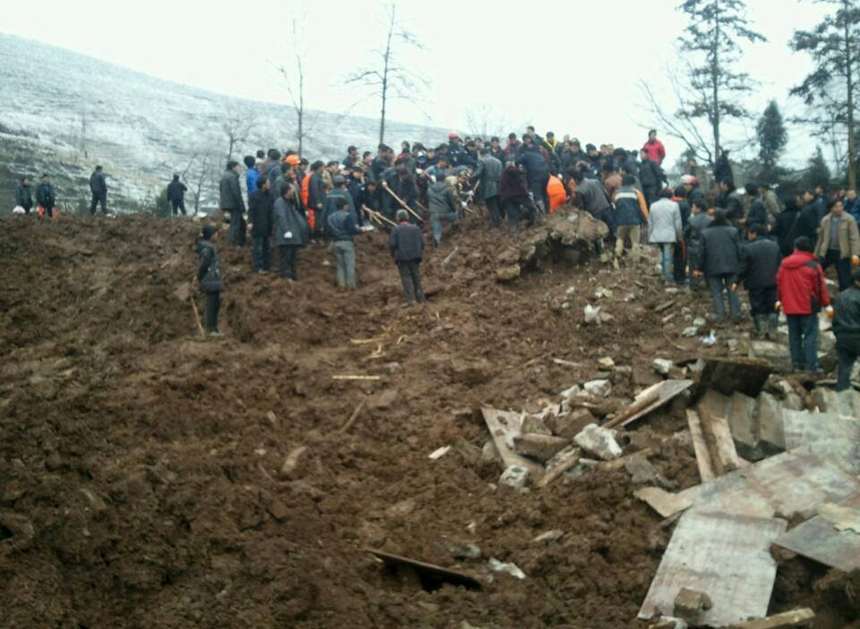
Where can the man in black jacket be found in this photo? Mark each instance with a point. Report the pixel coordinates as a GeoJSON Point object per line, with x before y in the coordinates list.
{"type": "Point", "coordinates": [260, 222]}
{"type": "Point", "coordinates": [406, 244]}
{"type": "Point", "coordinates": [810, 218]}
{"type": "Point", "coordinates": [176, 195]}
{"type": "Point", "coordinates": [537, 174]}
{"type": "Point", "coordinates": [209, 277]}
{"type": "Point", "coordinates": [45, 196]}
{"type": "Point", "coordinates": [785, 227]}
{"type": "Point", "coordinates": [233, 203]}
{"type": "Point", "coordinates": [98, 186]}
{"type": "Point", "coordinates": [651, 177]}
{"type": "Point", "coordinates": [846, 327]}
{"type": "Point", "coordinates": [720, 263]}
{"type": "Point", "coordinates": [760, 259]}
{"type": "Point", "coordinates": [22, 195]}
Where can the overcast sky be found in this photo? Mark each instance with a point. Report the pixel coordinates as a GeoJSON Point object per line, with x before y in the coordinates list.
{"type": "Point", "coordinates": [571, 67]}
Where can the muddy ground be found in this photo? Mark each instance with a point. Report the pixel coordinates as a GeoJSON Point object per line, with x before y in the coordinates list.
{"type": "Point", "coordinates": [141, 480]}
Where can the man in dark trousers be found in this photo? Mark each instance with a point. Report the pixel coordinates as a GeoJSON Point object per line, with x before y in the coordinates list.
{"type": "Point", "coordinates": [488, 174]}
{"type": "Point", "coordinates": [839, 243]}
{"type": "Point", "coordinates": [176, 195]}
{"type": "Point", "coordinates": [209, 276]}
{"type": "Point", "coordinates": [45, 196]}
{"type": "Point", "coordinates": [760, 258]}
{"type": "Point", "coordinates": [802, 293]}
{"type": "Point", "coordinates": [537, 175]}
{"type": "Point", "coordinates": [260, 221]}
{"type": "Point", "coordinates": [720, 263]}
{"type": "Point", "coordinates": [98, 186]}
{"type": "Point", "coordinates": [22, 195]}
{"type": "Point", "coordinates": [407, 247]}
{"type": "Point", "coordinates": [651, 176]}
{"type": "Point", "coordinates": [846, 327]}
{"type": "Point", "coordinates": [233, 203]}
{"type": "Point", "coordinates": [292, 231]}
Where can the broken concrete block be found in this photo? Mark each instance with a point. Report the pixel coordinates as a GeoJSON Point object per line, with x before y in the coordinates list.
{"type": "Point", "coordinates": [599, 441]}
{"type": "Point", "coordinates": [539, 446]}
{"type": "Point", "coordinates": [571, 392]}
{"type": "Point", "coordinates": [570, 425]}
{"type": "Point", "coordinates": [606, 364]}
{"type": "Point", "coordinates": [743, 421]}
{"type": "Point", "coordinates": [689, 604]}
{"type": "Point", "coordinates": [829, 401]}
{"type": "Point", "coordinates": [640, 470]}
{"type": "Point", "coordinates": [690, 332]}
{"type": "Point", "coordinates": [592, 314]}
{"type": "Point", "coordinates": [464, 551]}
{"type": "Point", "coordinates": [662, 366]}
{"type": "Point", "coordinates": [598, 388]}
{"type": "Point", "coordinates": [769, 411]}
{"type": "Point", "coordinates": [490, 452]}
{"type": "Point", "coordinates": [515, 476]}
{"type": "Point", "coordinates": [782, 387]}
{"type": "Point", "coordinates": [700, 322]}
{"type": "Point", "coordinates": [508, 568]}
{"type": "Point", "coordinates": [535, 424]}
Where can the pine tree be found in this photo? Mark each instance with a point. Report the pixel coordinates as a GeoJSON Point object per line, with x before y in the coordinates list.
{"type": "Point", "coordinates": [817, 171]}
{"type": "Point", "coordinates": [772, 139]}
{"type": "Point", "coordinates": [832, 84]}
{"type": "Point", "coordinates": [716, 30]}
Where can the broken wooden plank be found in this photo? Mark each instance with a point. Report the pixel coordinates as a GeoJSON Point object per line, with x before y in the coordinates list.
{"type": "Point", "coordinates": [725, 556]}
{"type": "Point", "coordinates": [727, 375]}
{"type": "Point", "coordinates": [719, 435]}
{"type": "Point", "coordinates": [640, 403]}
{"type": "Point", "coordinates": [787, 620]}
{"type": "Point", "coordinates": [821, 539]}
{"type": "Point", "coordinates": [832, 436]}
{"type": "Point", "coordinates": [666, 391]}
{"type": "Point", "coordinates": [790, 483]}
{"type": "Point", "coordinates": [351, 377]}
{"type": "Point", "coordinates": [662, 501]}
{"type": "Point", "coordinates": [428, 570]}
{"type": "Point", "coordinates": [664, 306]}
{"type": "Point", "coordinates": [703, 456]}
{"type": "Point", "coordinates": [504, 426]}
{"type": "Point", "coordinates": [354, 416]}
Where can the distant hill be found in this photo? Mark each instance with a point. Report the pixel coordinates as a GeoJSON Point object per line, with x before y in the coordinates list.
{"type": "Point", "coordinates": [63, 112]}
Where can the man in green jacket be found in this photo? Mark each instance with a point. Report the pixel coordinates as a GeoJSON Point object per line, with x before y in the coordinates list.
{"type": "Point", "coordinates": [838, 242]}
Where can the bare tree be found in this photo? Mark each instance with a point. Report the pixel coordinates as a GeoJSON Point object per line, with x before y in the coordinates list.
{"type": "Point", "coordinates": [484, 120]}
{"type": "Point", "coordinates": [237, 124]}
{"type": "Point", "coordinates": [200, 174]}
{"type": "Point", "coordinates": [295, 82]}
{"type": "Point", "coordinates": [392, 80]}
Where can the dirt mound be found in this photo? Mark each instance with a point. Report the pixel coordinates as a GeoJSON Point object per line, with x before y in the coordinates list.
{"type": "Point", "coordinates": [143, 470]}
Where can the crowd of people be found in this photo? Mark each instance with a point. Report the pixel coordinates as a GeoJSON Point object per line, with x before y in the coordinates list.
{"type": "Point", "coordinates": [778, 249]}
{"type": "Point", "coordinates": [726, 237]}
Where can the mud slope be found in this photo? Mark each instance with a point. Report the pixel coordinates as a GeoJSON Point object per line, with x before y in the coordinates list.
{"type": "Point", "coordinates": [142, 468]}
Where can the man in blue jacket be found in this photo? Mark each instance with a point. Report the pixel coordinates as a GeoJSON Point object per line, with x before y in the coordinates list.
{"type": "Point", "coordinates": [342, 227]}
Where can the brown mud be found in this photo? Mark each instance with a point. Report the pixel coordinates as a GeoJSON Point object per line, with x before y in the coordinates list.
{"type": "Point", "coordinates": [142, 477]}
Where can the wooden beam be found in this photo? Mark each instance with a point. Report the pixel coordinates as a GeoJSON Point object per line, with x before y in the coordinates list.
{"type": "Point", "coordinates": [787, 620]}
{"type": "Point", "coordinates": [703, 457]}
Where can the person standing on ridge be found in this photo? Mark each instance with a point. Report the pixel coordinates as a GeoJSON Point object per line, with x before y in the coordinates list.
{"type": "Point", "coordinates": [98, 186]}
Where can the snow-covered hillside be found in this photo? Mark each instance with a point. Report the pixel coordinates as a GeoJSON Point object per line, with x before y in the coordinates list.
{"type": "Point", "coordinates": [62, 112]}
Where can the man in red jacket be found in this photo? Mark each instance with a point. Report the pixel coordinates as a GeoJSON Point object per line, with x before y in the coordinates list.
{"type": "Point", "coordinates": [655, 148]}
{"type": "Point", "coordinates": [802, 294]}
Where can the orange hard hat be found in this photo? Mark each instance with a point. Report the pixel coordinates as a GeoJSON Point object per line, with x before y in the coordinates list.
{"type": "Point", "coordinates": [293, 160]}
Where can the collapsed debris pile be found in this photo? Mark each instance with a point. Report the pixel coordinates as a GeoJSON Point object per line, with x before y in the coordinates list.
{"type": "Point", "coordinates": [494, 459]}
